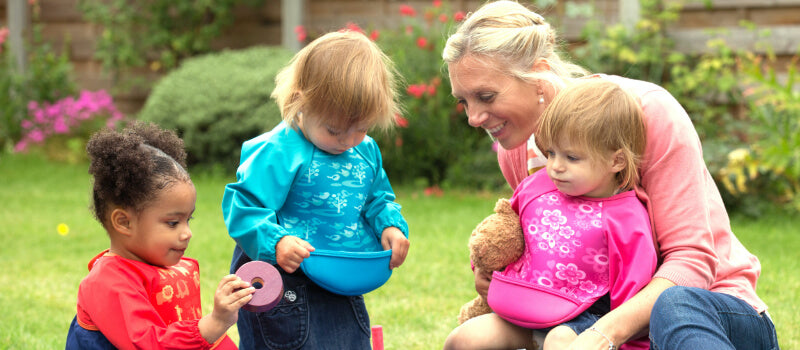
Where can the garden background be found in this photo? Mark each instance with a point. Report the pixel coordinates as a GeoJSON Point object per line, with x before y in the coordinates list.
{"type": "Point", "coordinates": [194, 67]}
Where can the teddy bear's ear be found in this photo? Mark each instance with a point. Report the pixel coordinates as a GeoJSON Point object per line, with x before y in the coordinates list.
{"type": "Point", "coordinates": [503, 206]}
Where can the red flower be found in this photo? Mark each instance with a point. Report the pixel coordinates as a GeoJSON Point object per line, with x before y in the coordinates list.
{"type": "Point", "coordinates": [353, 28]}
{"type": "Point", "coordinates": [437, 3]}
{"type": "Point", "coordinates": [429, 15]}
{"type": "Point", "coordinates": [434, 190]}
{"type": "Point", "coordinates": [301, 33]}
{"type": "Point", "coordinates": [416, 90]}
{"type": "Point", "coordinates": [459, 16]}
{"type": "Point", "coordinates": [398, 141]}
{"type": "Point", "coordinates": [406, 10]}
{"type": "Point", "coordinates": [431, 90]}
{"type": "Point", "coordinates": [374, 35]}
{"type": "Point", "coordinates": [401, 122]}
{"type": "Point", "coordinates": [422, 42]}
{"type": "Point", "coordinates": [460, 108]}
{"type": "Point", "coordinates": [443, 18]}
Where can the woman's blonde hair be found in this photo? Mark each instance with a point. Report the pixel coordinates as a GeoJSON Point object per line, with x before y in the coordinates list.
{"type": "Point", "coordinates": [516, 38]}
{"type": "Point", "coordinates": [599, 116]}
{"type": "Point", "coordinates": [342, 77]}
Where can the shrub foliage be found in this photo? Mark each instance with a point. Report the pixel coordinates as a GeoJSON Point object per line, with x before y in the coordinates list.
{"type": "Point", "coordinates": [217, 101]}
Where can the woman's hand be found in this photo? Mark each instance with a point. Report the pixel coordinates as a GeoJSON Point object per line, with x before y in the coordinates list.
{"type": "Point", "coordinates": [290, 252]}
{"type": "Point", "coordinates": [394, 239]}
{"type": "Point", "coordinates": [630, 320]}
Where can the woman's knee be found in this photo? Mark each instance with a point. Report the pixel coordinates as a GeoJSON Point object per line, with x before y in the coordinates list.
{"type": "Point", "coordinates": [676, 297]}
{"type": "Point", "coordinates": [678, 303]}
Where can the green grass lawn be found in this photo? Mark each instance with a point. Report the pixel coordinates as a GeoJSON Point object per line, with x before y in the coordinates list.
{"type": "Point", "coordinates": [41, 269]}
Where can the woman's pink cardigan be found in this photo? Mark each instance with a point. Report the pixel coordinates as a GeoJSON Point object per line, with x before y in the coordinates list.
{"type": "Point", "coordinates": [692, 230]}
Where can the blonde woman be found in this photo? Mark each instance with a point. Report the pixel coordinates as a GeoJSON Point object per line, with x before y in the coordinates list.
{"type": "Point", "coordinates": [505, 69]}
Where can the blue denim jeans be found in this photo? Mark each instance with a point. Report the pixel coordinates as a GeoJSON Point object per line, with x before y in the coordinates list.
{"type": "Point", "coordinates": [79, 338]}
{"type": "Point", "coordinates": [308, 317]}
{"type": "Point", "coordinates": [694, 318]}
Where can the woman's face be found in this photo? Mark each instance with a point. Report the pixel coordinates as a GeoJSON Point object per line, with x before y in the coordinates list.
{"type": "Point", "coordinates": [506, 107]}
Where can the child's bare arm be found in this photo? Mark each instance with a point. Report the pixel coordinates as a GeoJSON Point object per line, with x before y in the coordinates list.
{"type": "Point", "coordinates": [232, 293]}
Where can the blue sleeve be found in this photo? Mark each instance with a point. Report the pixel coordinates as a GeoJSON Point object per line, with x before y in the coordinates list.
{"type": "Point", "coordinates": [381, 210]}
{"type": "Point", "coordinates": [267, 170]}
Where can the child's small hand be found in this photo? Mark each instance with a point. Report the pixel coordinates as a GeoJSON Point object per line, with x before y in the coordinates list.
{"type": "Point", "coordinates": [394, 239]}
{"type": "Point", "coordinates": [290, 252]}
{"type": "Point", "coordinates": [232, 293]}
{"type": "Point", "coordinates": [482, 279]}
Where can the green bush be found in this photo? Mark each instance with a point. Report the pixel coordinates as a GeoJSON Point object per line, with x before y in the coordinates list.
{"type": "Point", "coordinates": [157, 33]}
{"type": "Point", "coordinates": [434, 143]}
{"type": "Point", "coordinates": [768, 167]}
{"type": "Point", "coordinates": [745, 116]}
{"type": "Point", "coordinates": [217, 101]}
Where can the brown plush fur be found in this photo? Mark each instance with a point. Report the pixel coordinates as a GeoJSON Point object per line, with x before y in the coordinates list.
{"type": "Point", "coordinates": [496, 242]}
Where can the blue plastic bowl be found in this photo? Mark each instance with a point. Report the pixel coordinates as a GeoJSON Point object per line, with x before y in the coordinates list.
{"type": "Point", "coordinates": [348, 273]}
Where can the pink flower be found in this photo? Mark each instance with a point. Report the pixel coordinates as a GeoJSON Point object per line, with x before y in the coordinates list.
{"type": "Point", "coordinates": [60, 126]}
{"type": "Point", "coordinates": [36, 136]}
{"type": "Point", "coordinates": [62, 116]}
{"type": "Point", "coordinates": [422, 42]}
{"type": "Point", "coordinates": [301, 33]}
{"type": "Point", "coordinates": [373, 35]}
{"type": "Point", "coordinates": [437, 3]}
{"type": "Point", "coordinates": [21, 146]}
{"type": "Point", "coordinates": [459, 16]}
{"type": "Point", "coordinates": [443, 18]}
{"type": "Point", "coordinates": [408, 11]}
{"type": "Point", "coordinates": [3, 37]}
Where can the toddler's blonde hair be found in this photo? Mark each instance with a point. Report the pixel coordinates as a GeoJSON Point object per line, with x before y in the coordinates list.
{"type": "Point", "coordinates": [599, 116]}
{"type": "Point", "coordinates": [341, 78]}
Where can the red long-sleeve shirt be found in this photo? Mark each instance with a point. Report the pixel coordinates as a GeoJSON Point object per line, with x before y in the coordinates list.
{"type": "Point", "coordinates": [140, 306]}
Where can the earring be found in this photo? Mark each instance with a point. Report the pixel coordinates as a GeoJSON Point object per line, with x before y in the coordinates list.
{"type": "Point", "coordinates": [541, 99]}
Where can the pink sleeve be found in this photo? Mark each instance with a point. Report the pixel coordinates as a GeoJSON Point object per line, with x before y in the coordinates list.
{"type": "Point", "coordinates": [678, 190]}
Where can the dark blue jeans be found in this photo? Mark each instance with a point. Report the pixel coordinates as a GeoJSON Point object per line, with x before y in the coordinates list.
{"type": "Point", "coordinates": [308, 317]}
{"type": "Point", "coordinates": [694, 318]}
{"type": "Point", "coordinates": [79, 338]}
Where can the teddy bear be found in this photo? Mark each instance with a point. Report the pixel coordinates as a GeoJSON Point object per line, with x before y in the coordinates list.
{"type": "Point", "coordinates": [496, 242]}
